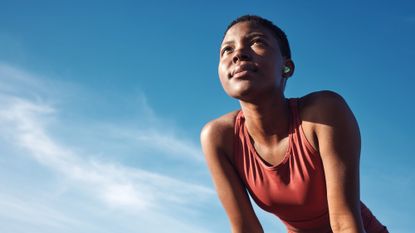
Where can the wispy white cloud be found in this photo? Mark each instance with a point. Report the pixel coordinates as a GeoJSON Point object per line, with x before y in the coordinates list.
{"type": "Point", "coordinates": [115, 184]}
{"type": "Point", "coordinates": [160, 140]}
{"type": "Point", "coordinates": [33, 212]}
{"type": "Point", "coordinates": [17, 82]}
{"type": "Point", "coordinates": [24, 122]}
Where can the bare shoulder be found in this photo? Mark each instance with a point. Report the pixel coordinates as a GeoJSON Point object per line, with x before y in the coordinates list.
{"type": "Point", "coordinates": [322, 106]}
{"type": "Point", "coordinates": [218, 133]}
{"type": "Point", "coordinates": [321, 109]}
{"type": "Point", "coordinates": [217, 144]}
{"type": "Point", "coordinates": [220, 126]}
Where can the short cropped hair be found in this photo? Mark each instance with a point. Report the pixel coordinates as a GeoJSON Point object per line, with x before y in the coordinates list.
{"type": "Point", "coordinates": [277, 32]}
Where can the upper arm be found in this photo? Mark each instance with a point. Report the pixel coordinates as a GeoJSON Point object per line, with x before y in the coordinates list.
{"type": "Point", "coordinates": [231, 191]}
{"type": "Point", "coordinates": [338, 138]}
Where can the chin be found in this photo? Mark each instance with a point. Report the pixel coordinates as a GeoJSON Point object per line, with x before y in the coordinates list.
{"type": "Point", "coordinates": [248, 93]}
{"type": "Point", "coordinates": [243, 94]}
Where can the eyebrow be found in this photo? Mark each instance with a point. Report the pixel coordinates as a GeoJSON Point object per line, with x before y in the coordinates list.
{"type": "Point", "coordinates": [253, 34]}
{"type": "Point", "coordinates": [249, 35]}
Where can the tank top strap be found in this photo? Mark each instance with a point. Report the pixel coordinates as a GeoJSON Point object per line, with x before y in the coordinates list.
{"type": "Point", "coordinates": [237, 123]}
{"type": "Point", "coordinates": [238, 139]}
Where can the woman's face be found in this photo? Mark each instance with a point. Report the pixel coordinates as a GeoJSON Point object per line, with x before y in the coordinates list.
{"type": "Point", "coordinates": [250, 62]}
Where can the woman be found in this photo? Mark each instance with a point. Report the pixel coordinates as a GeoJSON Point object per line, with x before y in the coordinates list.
{"type": "Point", "coordinates": [298, 158]}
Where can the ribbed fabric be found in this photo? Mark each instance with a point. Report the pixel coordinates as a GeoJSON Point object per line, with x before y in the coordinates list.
{"type": "Point", "coordinates": [295, 189]}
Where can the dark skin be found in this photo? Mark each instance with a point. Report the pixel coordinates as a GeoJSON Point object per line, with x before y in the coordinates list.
{"type": "Point", "coordinates": [251, 70]}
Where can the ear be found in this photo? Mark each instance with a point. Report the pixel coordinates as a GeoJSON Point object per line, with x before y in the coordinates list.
{"type": "Point", "coordinates": [288, 69]}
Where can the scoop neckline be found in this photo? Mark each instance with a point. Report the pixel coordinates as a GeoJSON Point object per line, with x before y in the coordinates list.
{"type": "Point", "coordinates": [259, 158]}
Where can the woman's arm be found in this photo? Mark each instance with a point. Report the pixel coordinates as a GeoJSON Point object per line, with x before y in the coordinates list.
{"type": "Point", "coordinates": [217, 139]}
{"type": "Point", "coordinates": [338, 139]}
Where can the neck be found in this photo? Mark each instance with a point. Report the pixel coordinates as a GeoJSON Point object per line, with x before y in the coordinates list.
{"type": "Point", "coordinates": [267, 120]}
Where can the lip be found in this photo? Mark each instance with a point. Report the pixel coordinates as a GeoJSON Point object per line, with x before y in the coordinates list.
{"type": "Point", "coordinates": [241, 74]}
{"type": "Point", "coordinates": [243, 69]}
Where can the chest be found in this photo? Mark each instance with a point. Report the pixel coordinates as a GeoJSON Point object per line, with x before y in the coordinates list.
{"type": "Point", "coordinates": [295, 188]}
{"type": "Point", "coordinates": [272, 155]}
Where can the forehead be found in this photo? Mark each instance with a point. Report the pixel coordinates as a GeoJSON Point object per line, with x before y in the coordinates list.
{"type": "Point", "coordinates": [245, 29]}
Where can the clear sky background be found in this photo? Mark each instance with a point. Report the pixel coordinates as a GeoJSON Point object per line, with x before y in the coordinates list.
{"type": "Point", "coordinates": [101, 105]}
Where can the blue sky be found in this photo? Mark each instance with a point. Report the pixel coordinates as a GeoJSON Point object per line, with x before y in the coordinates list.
{"type": "Point", "coordinates": [102, 104]}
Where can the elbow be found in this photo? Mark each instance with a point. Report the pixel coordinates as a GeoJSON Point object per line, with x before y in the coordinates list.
{"type": "Point", "coordinates": [346, 227]}
{"type": "Point", "coordinates": [346, 223]}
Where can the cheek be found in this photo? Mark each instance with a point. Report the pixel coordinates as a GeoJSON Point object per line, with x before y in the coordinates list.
{"type": "Point", "coordinates": [222, 72]}
{"type": "Point", "coordinates": [273, 67]}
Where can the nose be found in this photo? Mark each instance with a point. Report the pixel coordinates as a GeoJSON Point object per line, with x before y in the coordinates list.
{"type": "Point", "coordinates": [241, 55]}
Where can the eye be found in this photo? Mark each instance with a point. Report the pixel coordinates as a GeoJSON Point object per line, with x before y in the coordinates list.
{"type": "Point", "coordinates": [258, 41]}
{"type": "Point", "coordinates": [226, 50]}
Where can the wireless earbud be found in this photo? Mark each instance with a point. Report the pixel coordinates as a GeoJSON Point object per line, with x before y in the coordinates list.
{"type": "Point", "coordinates": [286, 69]}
